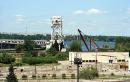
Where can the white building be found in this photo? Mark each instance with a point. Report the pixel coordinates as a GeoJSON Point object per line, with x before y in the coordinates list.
{"type": "Point", "coordinates": [118, 58]}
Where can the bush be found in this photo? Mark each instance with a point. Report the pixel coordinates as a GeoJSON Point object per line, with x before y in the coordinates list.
{"type": "Point", "coordinates": [75, 46]}
{"type": "Point", "coordinates": [63, 76]}
{"type": "Point", "coordinates": [72, 76]}
{"type": "Point", "coordinates": [24, 76]}
{"type": "Point", "coordinates": [112, 74]}
{"type": "Point", "coordinates": [6, 58]}
{"type": "Point", "coordinates": [18, 64]}
{"type": "Point", "coordinates": [62, 56]}
{"type": "Point", "coordinates": [39, 60]}
{"type": "Point", "coordinates": [89, 73]}
{"type": "Point", "coordinates": [54, 76]}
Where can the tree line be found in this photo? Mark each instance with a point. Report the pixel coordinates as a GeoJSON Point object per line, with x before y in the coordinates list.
{"type": "Point", "coordinates": [48, 37]}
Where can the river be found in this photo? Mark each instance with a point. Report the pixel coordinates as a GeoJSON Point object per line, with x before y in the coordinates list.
{"type": "Point", "coordinates": [99, 43]}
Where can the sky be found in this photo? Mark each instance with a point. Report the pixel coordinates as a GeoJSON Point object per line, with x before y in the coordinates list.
{"type": "Point", "coordinates": [93, 17]}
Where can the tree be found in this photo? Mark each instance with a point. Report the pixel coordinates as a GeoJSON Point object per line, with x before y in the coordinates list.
{"type": "Point", "coordinates": [123, 44]}
{"type": "Point", "coordinates": [75, 46]}
{"type": "Point", "coordinates": [11, 77]}
{"type": "Point", "coordinates": [29, 45]}
{"type": "Point", "coordinates": [6, 58]}
{"type": "Point", "coordinates": [55, 46]}
{"type": "Point", "coordinates": [19, 48]}
{"type": "Point", "coordinates": [106, 46]}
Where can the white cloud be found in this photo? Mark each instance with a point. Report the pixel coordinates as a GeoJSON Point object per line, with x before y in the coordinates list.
{"type": "Point", "coordinates": [94, 11]}
{"type": "Point", "coordinates": [20, 18]}
{"type": "Point", "coordinates": [89, 11]}
{"type": "Point", "coordinates": [78, 12]}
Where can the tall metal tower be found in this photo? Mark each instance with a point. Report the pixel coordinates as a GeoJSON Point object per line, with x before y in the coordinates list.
{"type": "Point", "coordinates": [56, 28]}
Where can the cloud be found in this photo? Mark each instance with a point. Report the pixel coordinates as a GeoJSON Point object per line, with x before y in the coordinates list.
{"type": "Point", "coordinates": [94, 11]}
{"type": "Point", "coordinates": [20, 18]}
{"type": "Point", "coordinates": [78, 12]}
{"type": "Point", "coordinates": [91, 11]}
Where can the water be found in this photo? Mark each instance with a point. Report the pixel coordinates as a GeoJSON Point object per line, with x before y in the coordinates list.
{"type": "Point", "coordinates": [99, 43]}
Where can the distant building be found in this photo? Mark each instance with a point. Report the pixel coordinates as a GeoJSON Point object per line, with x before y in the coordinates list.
{"type": "Point", "coordinates": [119, 60]}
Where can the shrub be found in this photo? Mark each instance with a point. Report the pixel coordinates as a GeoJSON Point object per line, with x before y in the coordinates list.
{"type": "Point", "coordinates": [112, 74]}
{"type": "Point", "coordinates": [89, 73]}
{"type": "Point", "coordinates": [54, 76]}
{"type": "Point", "coordinates": [39, 60]}
{"type": "Point", "coordinates": [6, 58]}
{"type": "Point", "coordinates": [75, 46]}
{"type": "Point", "coordinates": [72, 76]}
{"type": "Point", "coordinates": [63, 76]}
{"type": "Point", "coordinates": [62, 56]}
{"type": "Point", "coordinates": [18, 64]}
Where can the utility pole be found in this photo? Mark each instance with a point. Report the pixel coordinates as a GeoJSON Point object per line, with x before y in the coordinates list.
{"type": "Point", "coordinates": [77, 61]}
{"type": "Point", "coordinates": [77, 72]}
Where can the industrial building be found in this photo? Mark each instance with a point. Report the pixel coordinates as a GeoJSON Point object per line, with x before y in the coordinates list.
{"type": "Point", "coordinates": [103, 60]}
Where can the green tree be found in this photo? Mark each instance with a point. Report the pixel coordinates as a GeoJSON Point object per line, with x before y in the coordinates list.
{"type": "Point", "coordinates": [6, 58]}
{"type": "Point", "coordinates": [29, 45]}
{"type": "Point", "coordinates": [106, 46]}
{"type": "Point", "coordinates": [55, 46]}
{"type": "Point", "coordinates": [75, 46]}
{"type": "Point", "coordinates": [19, 48]}
{"type": "Point", "coordinates": [122, 44]}
{"type": "Point", "coordinates": [89, 73]}
{"type": "Point", "coordinates": [11, 77]}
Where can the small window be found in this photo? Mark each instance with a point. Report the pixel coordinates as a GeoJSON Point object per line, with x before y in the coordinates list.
{"type": "Point", "coordinates": [110, 61]}
{"type": "Point", "coordinates": [90, 60]}
{"type": "Point", "coordinates": [118, 60]}
{"type": "Point", "coordinates": [86, 60]}
{"type": "Point", "coordinates": [123, 60]}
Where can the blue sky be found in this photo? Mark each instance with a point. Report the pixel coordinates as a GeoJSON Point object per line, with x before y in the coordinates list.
{"type": "Point", "coordinates": [93, 17]}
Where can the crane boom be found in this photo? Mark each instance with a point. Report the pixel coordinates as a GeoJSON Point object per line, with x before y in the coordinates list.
{"type": "Point", "coordinates": [83, 39]}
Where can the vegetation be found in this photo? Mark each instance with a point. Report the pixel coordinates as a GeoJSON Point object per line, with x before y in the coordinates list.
{"type": "Point", "coordinates": [106, 46]}
{"type": "Point", "coordinates": [89, 73]}
{"type": "Point", "coordinates": [48, 36]}
{"type": "Point", "coordinates": [49, 58]}
{"type": "Point", "coordinates": [55, 46]}
{"type": "Point", "coordinates": [123, 44]}
{"type": "Point", "coordinates": [29, 45]}
{"type": "Point", "coordinates": [19, 48]}
{"type": "Point", "coordinates": [23, 37]}
{"type": "Point", "coordinates": [6, 58]}
{"type": "Point", "coordinates": [75, 46]}
{"type": "Point", "coordinates": [11, 77]}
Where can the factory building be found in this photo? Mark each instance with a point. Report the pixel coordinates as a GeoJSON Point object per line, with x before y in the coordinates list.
{"type": "Point", "coordinates": [118, 60]}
